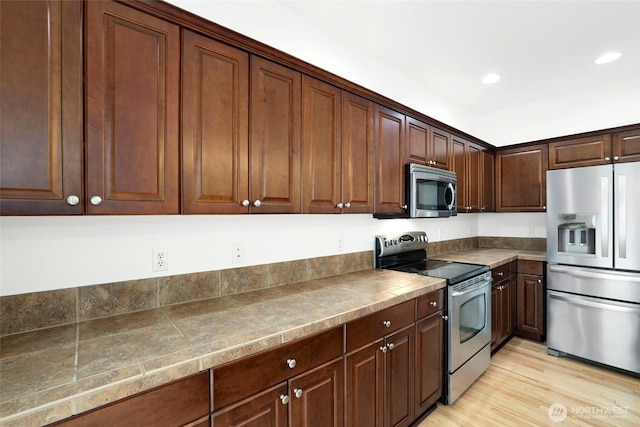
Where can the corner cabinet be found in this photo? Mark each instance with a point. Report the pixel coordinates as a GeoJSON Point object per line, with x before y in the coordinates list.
{"type": "Point", "coordinates": [41, 137]}
{"type": "Point", "coordinates": [389, 160]}
{"type": "Point", "coordinates": [521, 181]}
{"type": "Point", "coordinates": [132, 111]}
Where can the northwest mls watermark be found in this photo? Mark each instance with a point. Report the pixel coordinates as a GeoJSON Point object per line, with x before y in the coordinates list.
{"type": "Point", "coordinates": [558, 412]}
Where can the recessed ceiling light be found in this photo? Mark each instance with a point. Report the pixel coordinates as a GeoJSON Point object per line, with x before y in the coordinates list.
{"type": "Point", "coordinates": [608, 57]}
{"type": "Point", "coordinates": [490, 78]}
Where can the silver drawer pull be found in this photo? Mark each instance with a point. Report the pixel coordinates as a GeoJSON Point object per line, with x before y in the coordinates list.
{"type": "Point", "coordinates": [291, 363]}
{"type": "Point", "coordinates": [433, 303]}
{"type": "Point", "coordinates": [387, 323]}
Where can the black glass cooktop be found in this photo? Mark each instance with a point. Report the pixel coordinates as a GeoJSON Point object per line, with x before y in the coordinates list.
{"type": "Point", "coordinates": [454, 272]}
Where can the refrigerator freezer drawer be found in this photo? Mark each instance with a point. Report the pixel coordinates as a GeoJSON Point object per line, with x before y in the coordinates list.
{"type": "Point", "coordinates": [595, 329]}
{"type": "Point", "coordinates": [595, 282]}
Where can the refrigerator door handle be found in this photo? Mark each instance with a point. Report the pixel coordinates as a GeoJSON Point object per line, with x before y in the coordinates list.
{"type": "Point", "coordinates": [594, 274]}
{"type": "Point", "coordinates": [604, 215]}
{"type": "Point", "coordinates": [622, 216]}
{"type": "Point", "coordinates": [591, 302]}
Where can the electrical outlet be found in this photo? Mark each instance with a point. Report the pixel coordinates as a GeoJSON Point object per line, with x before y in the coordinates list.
{"type": "Point", "coordinates": [340, 244]}
{"type": "Point", "coordinates": [237, 252]}
{"type": "Point", "coordinates": [160, 259]}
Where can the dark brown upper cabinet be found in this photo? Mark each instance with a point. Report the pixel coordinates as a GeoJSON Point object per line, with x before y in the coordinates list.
{"type": "Point", "coordinates": [578, 152]}
{"type": "Point", "coordinates": [41, 108]}
{"type": "Point", "coordinates": [215, 127]}
{"type": "Point", "coordinates": [132, 111]}
{"type": "Point", "coordinates": [426, 145]}
{"type": "Point", "coordinates": [626, 146]}
{"type": "Point", "coordinates": [389, 155]}
{"type": "Point", "coordinates": [440, 149]}
{"type": "Point", "coordinates": [521, 181]}
{"type": "Point", "coordinates": [274, 142]}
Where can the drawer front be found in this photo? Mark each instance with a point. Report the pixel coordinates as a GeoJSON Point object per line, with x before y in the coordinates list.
{"type": "Point", "coordinates": [531, 267]}
{"type": "Point", "coordinates": [369, 328]}
{"type": "Point", "coordinates": [252, 374]}
{"type": "Point", "coordinates": [430, 303]}
{"type": "Point", "coordinates": [501, 272]}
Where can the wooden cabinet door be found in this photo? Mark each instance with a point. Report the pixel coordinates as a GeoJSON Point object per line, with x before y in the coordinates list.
{"type": "Point", "coordinates": [418, 142]}
{"type": "Point", "coordinates": [521, 182]}
{"type": "Point", "coordinates": [587, 151]}
{"type": "Point", "coordinates": [399, 378]}
{"type": "Point", "coordinates": [474, 177]}
{"type": "Point", "coordinates": [364, 400]}
{"type": "Point", "coordinates": [321, 146]}
{"type": "Point", "coordinates": [265, 409]}
{"type": "Point", "coordinates": [357, 153]}
{"type": "Point", "coordinates": [626, 146]}
{"type": "Point", "coordinates": [317, 397]}
{"type": "Point", "coordinates": [41, 107]}
{"type": "Point", "coordinates": [274, 145]}
{"type": "Point", "coordinates": [488, 200]}
{"type": "Point", "coordinates": [215, 123]}
{"type": "Point", "coordinates": [132, 86]}
{"type": "Point", "coordinates": [440, 149]}
{"type": "Point", "coordinates": [429, 361]}
{"type": "Point", "coordinates": [530, 309]}
{"type": "Point", "coordinates": [389, 133]}
{"type": "Point", "coordinates": [459, 166]}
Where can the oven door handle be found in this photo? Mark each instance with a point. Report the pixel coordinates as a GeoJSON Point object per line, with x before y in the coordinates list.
{"type": "Point", "coordinates": [472, 289]}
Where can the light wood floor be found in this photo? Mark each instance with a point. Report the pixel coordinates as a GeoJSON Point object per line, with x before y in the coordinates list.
{"type": "Point", "coordinates": [523, 382]}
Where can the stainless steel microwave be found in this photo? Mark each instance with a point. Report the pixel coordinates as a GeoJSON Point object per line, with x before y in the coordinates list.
{"type": "Point", "coordinates": [430, 192]}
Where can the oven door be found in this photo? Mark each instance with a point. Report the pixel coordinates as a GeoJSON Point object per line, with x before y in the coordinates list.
{"type": "Point", "coordinates": [469, 321]}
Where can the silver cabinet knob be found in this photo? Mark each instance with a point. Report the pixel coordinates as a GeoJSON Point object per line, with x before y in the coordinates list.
{"type": "Point", "coordinates": [500, 273]}
{"type": "Point", "coordinates": [246, 203]}
{"type": "Point", "coordinates": [291, 363]}
{"type": "Point", "coordinates": [383, 348]}
{"type": "Point", "coordinates": [347, 205]}
{"type": "Point", "coordinates": [339, 205]}
{"type": "Point", "coordinates": [616, 158]}
{"type": "Point", "coordinates": [404, 206]}
{"type": "Point", "coordinates": [445, 317]}
{"type": "Point", "coordinates": [297, 392]}
{"type": "Point", "coordinates": [257, 203]}
{"type": "Point", "coordinates": [390, 345]}
{"type": "Point", "coordinates": [606, 159]}
{"type": "Point", "coordinates": [433, 303]}
{"type": "Point", "coordinates": [387, 323]}
{"type": "Point", "coordinates": [284, 399]}
{"type": "Point", "coordinates": [95, 200]}
{"type": "Point", "coordinates": [539, 280]}
{"type": "Point", "coordinates": [73, 200]}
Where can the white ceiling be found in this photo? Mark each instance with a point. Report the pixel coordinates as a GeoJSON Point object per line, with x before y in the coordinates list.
{"type": "Point", "coordinates": [544, 51]}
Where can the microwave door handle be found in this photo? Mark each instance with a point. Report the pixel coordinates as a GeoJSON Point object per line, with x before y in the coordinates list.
{"type": "Point", "coordinates": [604, 215]}
{"type": "Point", "coordinates": [622, 216]}
{"type": "Point", "coordinates": [451, 191]}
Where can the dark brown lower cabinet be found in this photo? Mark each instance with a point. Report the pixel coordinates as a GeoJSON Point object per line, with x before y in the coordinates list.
{"type": "Point", "coordinates": [530, 322]}
{"type": "Point", "coordinates": [181, 403]}
{"type": "Point", "coordinates": [263, 409]}
{"type": "Point", "coordinates": [380, 382]}
{"type": "Point", "coordinates": [503, 300]}
{"type": "Point", "coordinates": [429, 362]}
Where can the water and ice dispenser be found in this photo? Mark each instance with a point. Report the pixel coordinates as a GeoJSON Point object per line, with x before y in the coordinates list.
{"type": "Point", "coordinates": [577, 233]}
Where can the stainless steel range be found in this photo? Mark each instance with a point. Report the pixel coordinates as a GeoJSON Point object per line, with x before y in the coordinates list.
{"type": "Point", "coordinates": [468, 299]}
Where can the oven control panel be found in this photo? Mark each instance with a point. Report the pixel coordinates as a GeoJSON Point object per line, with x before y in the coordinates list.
{"type": "Point", "coordinates": [405, 242]}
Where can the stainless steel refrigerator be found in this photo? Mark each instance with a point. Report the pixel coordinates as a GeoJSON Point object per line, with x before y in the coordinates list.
{"type": "Point", "coordinates": [593, 264]}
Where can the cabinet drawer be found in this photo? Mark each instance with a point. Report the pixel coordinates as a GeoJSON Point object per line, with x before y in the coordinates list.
{"type": "Point", "coordinates": [501, 272]}
{"type": "Point", "coordinates": [174, 404]}
{"type": "Point", "coordinates": [430, 303]}
{"type": "Point", "coordinates": [530, 267]}
{"type": "Point", "coordinates": [247, 376]}
{"type": "Point", "coordinates": [370, 328]}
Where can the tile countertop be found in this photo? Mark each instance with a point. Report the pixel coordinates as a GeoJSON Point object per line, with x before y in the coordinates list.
{"type": "Point", "coordinates": [492, 257]}
{"type": "Point", "coordinates": [51, 374]}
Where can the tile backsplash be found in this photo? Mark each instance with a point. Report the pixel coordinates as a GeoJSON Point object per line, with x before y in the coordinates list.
{"type": "Point", "coordinates": [39, 310]}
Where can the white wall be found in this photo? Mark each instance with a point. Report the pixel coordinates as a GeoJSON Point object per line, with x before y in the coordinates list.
{"type": "Point", "coordinates": [46, 253]}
